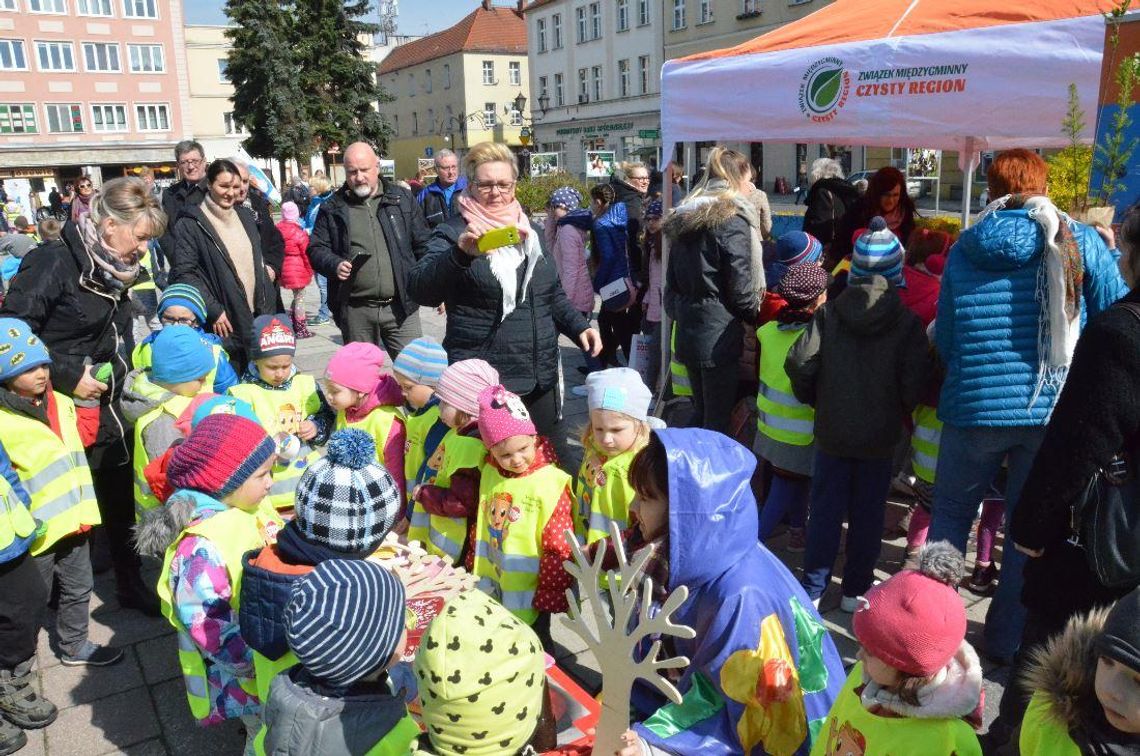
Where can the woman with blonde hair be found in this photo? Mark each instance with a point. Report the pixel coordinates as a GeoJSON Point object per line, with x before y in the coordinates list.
{"type": "Point", "coordinates": [73, 293]}
{"type": "Point", "coordinates": [322, 188]}
{"type": "Point", "coordinates": [714, 282]}
{"type": "Point", "coordinates": [504, 301]}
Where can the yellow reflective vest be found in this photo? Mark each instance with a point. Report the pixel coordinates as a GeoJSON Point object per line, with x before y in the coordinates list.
{"type": "Point", "coordinates": [603, 492]}
{"type": "Point", "coordinates": [418, 426]}
{"type": "Point", "coordinates": [925, 442]}
{"type": "Point", "coordinates": [1042, 734]}
{"type": "Point", "coordinates": [148, 284]}
{"type": "Point", "coordinates": [445, 536]}
{"type": "Point", "coordinates": [141, 359]}
{"type": "Point", "coordinates": [53, 470]}
{"type": "Point", "coordinates": [232, 532]}
{"type": "Point", "coordinates": [678, 373]}
{"type": "Point", "coordinates": [378, 424]}
{"type": "Point", "coordinates": [144, 497]}
{"type": "Point", "coordinates": [15, 519]}
{"type": "Point", "coordinates": [779, 415]}
{"type": "Point", "coordinates": [512, 515]}
{"type": "Point", "coordinates": [281, 412]}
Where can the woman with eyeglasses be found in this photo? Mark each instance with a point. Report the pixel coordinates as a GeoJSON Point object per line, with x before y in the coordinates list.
{"type": "Point", "coordinates": [504, 301]}
{"type": "Point", "coordinates": [84, 194]}
{"type": "Point", "coordinates": [74, 294]}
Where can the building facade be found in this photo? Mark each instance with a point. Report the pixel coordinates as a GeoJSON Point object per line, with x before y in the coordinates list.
{"type": "Point", "coordinates": [89, 86]}
{"type": "Point", "coordinates": [595, 79]}
{"type": "Point", "coordinates": [457, 87]}
{"type": "Point", "coordinates": [212, 118]}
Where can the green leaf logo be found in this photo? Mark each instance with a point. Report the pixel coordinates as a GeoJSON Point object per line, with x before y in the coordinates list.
{"type": "Point", "coordinates": [824, 88]}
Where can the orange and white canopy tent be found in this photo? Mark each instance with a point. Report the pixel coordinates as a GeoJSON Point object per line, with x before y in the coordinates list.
{"type": "Point", "coordinates": [963, 75]}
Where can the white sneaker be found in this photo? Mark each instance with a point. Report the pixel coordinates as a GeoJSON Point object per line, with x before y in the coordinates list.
{"type": "Point", "coordinates": [850, 604]}
{"type": "Point", "coordinates": [815, 603]}
{"type": "Point", "coordinates": [580, 390]}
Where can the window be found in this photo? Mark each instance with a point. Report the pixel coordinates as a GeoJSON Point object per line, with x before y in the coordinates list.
{"type": "Point", "coordinates": [678, 14]}
{"type": "Point", "coordinates": [447, 76]}
{"type": "Point", "coordinates": [223, 71]}
{"type": "Point", "coordinates": [623, 15]}
{"type": "Point", "coordinates": [101, 56]}
{"type": "Point", "coordinates": [64, 119]}
{"type": "Point", "coordinates": [395, 124]}
{"type": "Point", "coordinates": [93, 7]}
{"type": "Point", "coordinates": [231, 124]}
{"type": "Point", "coordinates": [514, 73]}
{"type": "Point", "coordinates": [706, 12]}
{"type": "Point", "coordinates": [580, 14]}
{"type": "Point", "coordinates": [559, 98]}
{"type": "Point", "coordinates": [7, 5]}
{"type": "Point", "coordinates": [109, 117]}
{"type": "Point", "coordinates": [749, 7]}
{"type": "Point", "coordinates": [411, 85]}
{"type": "Point", "coordinates": [643, 12]}
{"type": "Point", "coordinates": [542, 80]}
{"type": "Point", "coordinates": [146, 58]}
{"type": "Point", "coordinates": [643, 68]}
{"type": "Point", "coordinates": [541, 35]}
{"type": "Point", "coordinates": [427, 80]}
{"type": "Point", "coordinates": [556, 29]}
{"type": "Point", "coordinates": [597, 83]}
{"type": "Point", "coordinates": [55, 56]}
{"type": "Point", "coordinates": [139, 9]}
{"type": "Point", "coordinates": [489, 72]}
{"type": "Point", "coordinates": [12, 55]}
{"type": "Point", "coordinates": [415, 123]}
{"type": "Point", "coordinates": [516, 117]}
{"type": "Point", "coordinates": [596, 20]}
{"type": "Point", "coordinates": [17, 119]}
{"type": "Point", "coordinates": [152, 117]}
{"type": "Point", "coordinates": [623, 77]}
{"type": "Point", "coordinates": [431, 121]}
{"type": "Point", "coordinates": [47, 6]}
{"type": "Point", "coordinates": [583, 85]}
{"type": "Point", "coordinates": [489, 120]}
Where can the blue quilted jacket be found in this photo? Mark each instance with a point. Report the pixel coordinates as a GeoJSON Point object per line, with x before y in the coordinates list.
{"type": "Point", "coordinates": [988, 311]}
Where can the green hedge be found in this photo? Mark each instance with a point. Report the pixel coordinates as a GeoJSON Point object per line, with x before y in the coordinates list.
{"type": "Point", "coordinates": [533, 193]}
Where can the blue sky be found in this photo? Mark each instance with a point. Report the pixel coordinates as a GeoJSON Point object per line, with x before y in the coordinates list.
{"type": "Point", "coordinates": [416, 16]}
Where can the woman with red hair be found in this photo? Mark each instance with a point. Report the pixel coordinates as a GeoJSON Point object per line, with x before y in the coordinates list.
{"type": "Point", "coordinates": [886, 196]}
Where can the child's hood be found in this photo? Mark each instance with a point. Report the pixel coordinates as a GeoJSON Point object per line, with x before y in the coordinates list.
{"type": "Point", "coordinates": [1063, 669]}
{"type": "Point", "coordinates": [869, 306]}
{"type": "Point", "coordinates": [141, 395]}
{"type": "Point", "coordinates": [712, 512]}
{"type": "Point", "coordinates": [161, 526]}
{"type": "Point", "coordinates": [955, 693]}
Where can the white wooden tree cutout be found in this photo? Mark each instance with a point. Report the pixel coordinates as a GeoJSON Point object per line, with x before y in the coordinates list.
{"type": "Point", "coordinates": [613, 643]}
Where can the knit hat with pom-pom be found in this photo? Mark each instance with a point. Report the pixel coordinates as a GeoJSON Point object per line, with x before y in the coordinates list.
{"type": "Point", "coordinates": [915, 621]}
{"type": "Point", "coordinates": [347, 501]}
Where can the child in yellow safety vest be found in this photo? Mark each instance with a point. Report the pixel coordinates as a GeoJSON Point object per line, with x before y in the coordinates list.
{"type": "Point", "coordinates": [525, 508]}
{"type": "Point", "coordinates": [785, 435]}
{"type": "Point", "coordinates": [159, 400]}
{"type": "Point", "coordinates": [364, 397]}
{"type": "Point", "coordinates": [221, 474]}
{"type": "Point", "coordinates": [290, 405]}
{"type": "Point", "coordinates": [445, 504]}
{"type": "Point", "coordinates": [619, 428]}
{"type": "Point", "coordinates": [40, 431]}
{"type": "Point", "coordinates": [917, 687]}
{"type": "Point", "coordinates": [417, 369]}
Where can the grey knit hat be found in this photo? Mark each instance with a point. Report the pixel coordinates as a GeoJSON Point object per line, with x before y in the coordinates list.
{"type": "Point", "coordinates": [347, 501]}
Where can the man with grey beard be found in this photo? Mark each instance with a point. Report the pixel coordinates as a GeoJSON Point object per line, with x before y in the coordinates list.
{"type": "Point", "coordinates": [366, 239]}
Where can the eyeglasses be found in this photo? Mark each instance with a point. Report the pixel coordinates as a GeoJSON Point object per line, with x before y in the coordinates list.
{"type": "Point", "coordinates": [190, 163]}
{"type": "Point", "coordinates": [84, 186]}
{"type": "Point", "coordinates": [167, 320]}
{"type": "Point", "coordinates": [638, 178]}
{"type": "Point", "coordinates": [491, 186]}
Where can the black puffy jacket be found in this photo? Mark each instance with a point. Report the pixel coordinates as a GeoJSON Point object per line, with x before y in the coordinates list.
{"type": "Point", "coordinates": [264, 596]}
{"type": "Point", "coordinates": [523, 347]}
{"type": "Point", "coordinates": [828, 201]}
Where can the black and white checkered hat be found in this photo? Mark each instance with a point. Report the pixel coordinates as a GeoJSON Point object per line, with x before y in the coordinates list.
{"type": "Point", "coordinates": [347, 501]}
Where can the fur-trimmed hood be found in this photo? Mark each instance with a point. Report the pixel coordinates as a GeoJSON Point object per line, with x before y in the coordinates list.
{"type": "Point", "coordinates": [1064, 668]}
{"type": "Point", "coordinates": [708, 212]}
{"type": "Point", "coordinates": [161, 526]}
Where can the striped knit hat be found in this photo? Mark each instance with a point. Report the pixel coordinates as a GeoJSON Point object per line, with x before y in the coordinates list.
{"type": "Point", "coordinates": [344, 620]}
{"type": "Point", "coordinates": [462, 382]}
{"type": "Point", "coordinates": [878, 253]}
{"type": "Point", "coordinates": [183, 295]}
{"type": "Point", "coordinates": [221, 454]}
{"type": "Point", "coordinates": [422, 361]}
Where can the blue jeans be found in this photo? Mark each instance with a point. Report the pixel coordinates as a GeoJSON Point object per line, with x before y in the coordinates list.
{"type": "Point", "coordinates": [851, 489]}
{"type": "Point", "coordinates": [787, 497]}
{"type": "Point", "coordinates": [968, 461]}
{"type": "Point", "coordinates": [323, 285]}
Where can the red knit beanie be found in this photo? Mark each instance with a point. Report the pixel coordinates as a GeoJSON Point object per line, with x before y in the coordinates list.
{"type": "Point", "coordinates": [915, 621]}
{"type": "Point", "coordinates": [221, 454]}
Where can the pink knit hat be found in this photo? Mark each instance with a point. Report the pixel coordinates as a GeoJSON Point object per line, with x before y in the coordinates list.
{"type": "Point", "coordinates": [461, 383]}
{"type": "Point", "coordinates": [502, 415]}
{"type": "Point", "coordinates": [357, 366]}
{"type": "Point", "coordinates": [290, 212]}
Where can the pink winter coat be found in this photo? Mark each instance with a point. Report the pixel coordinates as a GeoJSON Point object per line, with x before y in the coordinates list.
{"type": "Point", "coordinates": [296, 272]}
{"type": "Point", "coordinates": [570, 259]}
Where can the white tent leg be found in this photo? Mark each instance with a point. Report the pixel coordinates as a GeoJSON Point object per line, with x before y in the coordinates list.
{"type": "Point", "coordinates": [968, 158]}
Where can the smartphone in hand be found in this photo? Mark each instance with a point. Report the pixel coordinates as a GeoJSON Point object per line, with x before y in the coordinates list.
{"type": "Point", "coordinates": [507, 236]}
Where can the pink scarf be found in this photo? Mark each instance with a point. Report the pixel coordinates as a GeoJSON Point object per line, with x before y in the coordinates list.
{"type": "Point", "coordinates": [508, 215]}
{"type": "Point", "coordinates": [505, 261]}
{"type": "Point", "coordinates": [387, 393]}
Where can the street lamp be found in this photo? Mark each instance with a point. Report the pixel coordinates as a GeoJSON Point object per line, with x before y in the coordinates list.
{"type": "Point", "coordinates": [543, 102]}
{"type": "Point", "coordinates": [520, 104]}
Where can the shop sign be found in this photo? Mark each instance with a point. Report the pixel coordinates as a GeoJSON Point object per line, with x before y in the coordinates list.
{"type": "Point", "coordinates": [600, 128]}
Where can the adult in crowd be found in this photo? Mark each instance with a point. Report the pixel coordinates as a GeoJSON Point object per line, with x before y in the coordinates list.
{"type": "Point", "coordinates": [886, 197]}
{"type": "Point", "coordinates": [505, 306]}
{"type": "Point", "coordinates": [252, 198]}
{"type": "Point", "coordinates": [1016, 290]}
{"type": "Point", "coordinates": [631, 188]}
{"type": "Point", "coordinates": [828, 200]}
{"type": "Point", "coordinates": [759, 199]}
{"type": "Point", "coordinates": [1096, 416]}
{"type": "Point", "coordinates": [440, 198]}
{"type": "Point", "coordinates": [366, 239]}
{"type": "Point", "coordinates": [218, 251]}
{"type": "Point", "coordinates": [190, 189]}
{"type": "Point", "coordinates": [19, 241]}
{"type": "Point", "coordinates": [300, 191]}
{"type": "Point", "coordinates": [714, 282]}
{"type": "Point", "coordinates": [84, 195]}
{"type": "Point", "coordinates": [55, 202]}
{"type": "Point", "coordinates": [613, 278]}
{"type": "Point", "coordinates": [322, 190]}
{"type": "Point", "coordinates": [73, 294]}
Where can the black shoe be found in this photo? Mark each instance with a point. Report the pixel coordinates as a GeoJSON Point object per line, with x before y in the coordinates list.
{"type": "Point", "coordinates": [91, 655]}
{"type": "Point", "coordinates": [21, 706]}
{"type": "Point", "coordinates": [141, 600]}
{"type": "Point", "coordinates": [12, 738]}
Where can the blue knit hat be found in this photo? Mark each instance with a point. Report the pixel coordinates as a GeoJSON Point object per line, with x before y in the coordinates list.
{"type": "Point", "coordinates": [792, 248]}
{"type": "Point", "coordinates": [20, 349]}
{"type": "Point", "coordinates": [567, 197]}
{"type": "Point", "coordinates": [344, 619]}
{"type": "Point", "coordinates": [422, 361]}
{"type": "Point", "coordinates": [223, 405]}
{"type": "Point", "coordinates": [183, 295]}
{"type": "Point", "coordinates": [878, 253]}
{"type": "Point", "coordinates": [178, 354]}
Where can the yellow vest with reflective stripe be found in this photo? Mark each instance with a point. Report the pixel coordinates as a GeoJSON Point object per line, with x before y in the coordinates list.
{"type": "Point", "coordinates": [378, 424]}
{"type": "Point", "coordinates": [144, 262]}
{"type": "Point", "coordinates": [780, 416]}
{"type": "Point", "coordinates": [398, 741]}
{"type": "Point", "coordinates": [925, 442]}
{"type": "Point", "coordinates": [15, 519]}
{"type": "Point", "coordinates": [265, 669]}
{"type": "Point", "coordinates": [603, 493]}
{"type": "Point", "coordinates": [232, 532]}
{"type": "Point", "coordinates": [444, 536]}
{"type": "Point", "coordinates": [417, 429]}
{"type": "Point", "coordinates": [512, 515]}
{"type": "Point", "coordinates": [141, 360]}
{"type": "Point", "coordinates": [1042, 734]}
{"type": "Point", "coordinates": [678, 373]}
{"type": "Point", "coordinates": [54, 472]}
{"type": "Point", "coordinates": [281, 411]}
{"type": "Point", "coordinates": [144, 497]}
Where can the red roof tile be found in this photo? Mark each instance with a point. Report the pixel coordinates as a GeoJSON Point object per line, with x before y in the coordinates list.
{"type": "Point", "coordinates": [484, 30]}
